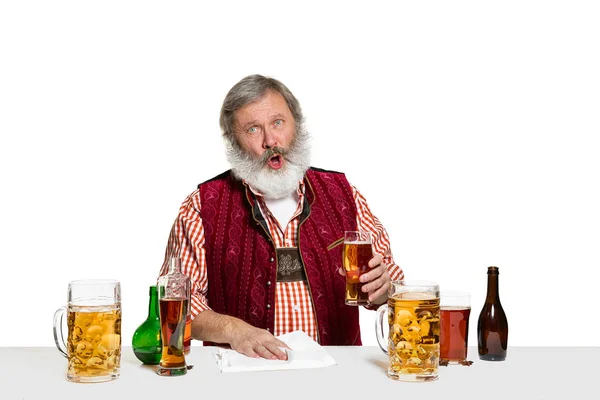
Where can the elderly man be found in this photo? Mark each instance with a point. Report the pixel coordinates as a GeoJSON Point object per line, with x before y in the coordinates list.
{"type": "Point", "coordinates": [234, 230]}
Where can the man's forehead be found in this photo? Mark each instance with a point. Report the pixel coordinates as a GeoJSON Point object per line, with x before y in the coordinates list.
{"type": "Point", "coordinates": [271, 104]}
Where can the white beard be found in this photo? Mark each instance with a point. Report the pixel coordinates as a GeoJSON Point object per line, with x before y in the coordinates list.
{"type": "Point", "coordinates": [273, 184]}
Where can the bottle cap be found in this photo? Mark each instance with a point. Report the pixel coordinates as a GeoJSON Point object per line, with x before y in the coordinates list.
{"type": "Point", "coordinates": [493, 270]}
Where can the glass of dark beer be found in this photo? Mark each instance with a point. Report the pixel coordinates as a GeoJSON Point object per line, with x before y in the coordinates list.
{"type": "Point", "coordinates": [356, 255]}
{"type": "Point", "coordinates": [455, 309]}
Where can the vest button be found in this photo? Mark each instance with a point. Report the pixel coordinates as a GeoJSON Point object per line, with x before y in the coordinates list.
{"type": "Point", "coordinates": [271, 259]}
{"type": "Point", "coordinates": [268, 283]}
{"type": "Point", "coordinates": [268, 306]}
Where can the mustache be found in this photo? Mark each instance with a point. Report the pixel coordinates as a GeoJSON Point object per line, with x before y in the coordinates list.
{"type": "Point", "coordinates": [273, 152]}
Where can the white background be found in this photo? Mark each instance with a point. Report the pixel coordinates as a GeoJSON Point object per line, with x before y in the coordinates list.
{"type": "Point", "coordinates": [471, 127]}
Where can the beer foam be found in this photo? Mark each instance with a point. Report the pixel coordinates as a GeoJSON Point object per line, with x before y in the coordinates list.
{"type": "Point", "coordinates": [359, 242]}
{"type": "Point", "coordinates": [455, 308]}
{"type": "Point", "coordinates": [417, 296]}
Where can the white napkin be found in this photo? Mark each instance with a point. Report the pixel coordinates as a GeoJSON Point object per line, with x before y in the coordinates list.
{"type": "Point", "coordinates": [305, 353]}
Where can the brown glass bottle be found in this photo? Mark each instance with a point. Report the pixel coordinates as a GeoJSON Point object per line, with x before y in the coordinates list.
{"type": "Point", "coordinates": [492, 327]}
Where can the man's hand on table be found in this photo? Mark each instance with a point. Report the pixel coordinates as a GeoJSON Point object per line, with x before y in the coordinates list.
{"type": "Point", "coordinates": [254, 342]}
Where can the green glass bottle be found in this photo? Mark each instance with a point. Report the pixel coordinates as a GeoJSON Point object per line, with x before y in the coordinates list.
{"type": "Point", "coordinates": [146, 342]}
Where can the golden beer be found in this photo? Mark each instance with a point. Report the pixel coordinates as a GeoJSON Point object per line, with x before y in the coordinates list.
{"type": "Point", "coordinates": [94, 342]}
{"type": "Point", "coordinates": [414, 336]}
{"type": "Point", "coordinates": [172, 325]}
{"type": "Point", "coordinates": [356, 256]}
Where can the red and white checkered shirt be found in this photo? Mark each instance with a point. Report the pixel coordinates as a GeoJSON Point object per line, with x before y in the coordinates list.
{"type": "Point", "coordinates": [293, 309]}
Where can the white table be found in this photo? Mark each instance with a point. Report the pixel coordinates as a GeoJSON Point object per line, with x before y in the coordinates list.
{"type": "Point", "coordinates": [360, 373]}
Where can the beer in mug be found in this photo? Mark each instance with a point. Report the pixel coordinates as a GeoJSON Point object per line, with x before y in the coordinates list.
{"type": "Point", "coordinates": [94, 338]}
{"type": "Point", "coordinates": [413, 340]}
{"type": "Point", "coordinates": [92, 344]}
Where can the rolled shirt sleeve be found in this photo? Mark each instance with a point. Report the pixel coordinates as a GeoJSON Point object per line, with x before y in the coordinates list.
{"type": "Point", "coordinates": [186, 241]}
{"type": "Point", "coordinates": [368, 222]}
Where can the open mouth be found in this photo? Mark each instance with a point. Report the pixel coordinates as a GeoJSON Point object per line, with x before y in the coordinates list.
{"type": "Point", "coordinates": [275, 162]}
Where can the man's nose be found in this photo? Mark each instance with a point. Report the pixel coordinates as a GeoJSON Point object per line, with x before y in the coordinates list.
{"type": "Point", "coordinates": [270, 139]}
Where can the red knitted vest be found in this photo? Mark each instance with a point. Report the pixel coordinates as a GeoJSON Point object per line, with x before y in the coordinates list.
{"type": "Point", "coordinates": [240, 255]}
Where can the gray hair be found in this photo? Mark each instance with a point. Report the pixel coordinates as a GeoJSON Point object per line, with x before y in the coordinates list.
{"type": "Point", "coordinates": [250, 89]}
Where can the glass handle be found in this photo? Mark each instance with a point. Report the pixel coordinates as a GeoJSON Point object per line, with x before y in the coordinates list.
{"type": "Point", "coordinates": [381, 313]}
{"type": "Point", "coordinates": [59, 338]}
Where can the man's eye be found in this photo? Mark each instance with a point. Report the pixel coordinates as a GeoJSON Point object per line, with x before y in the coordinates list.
{"type": "Point", "coordinates": [278, 122]}
{"type": "Point", "coordinates": [253, 130]}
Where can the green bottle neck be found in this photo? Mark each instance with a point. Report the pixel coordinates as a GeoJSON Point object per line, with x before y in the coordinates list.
{"type": "Point", "coordinates": [153, 305]}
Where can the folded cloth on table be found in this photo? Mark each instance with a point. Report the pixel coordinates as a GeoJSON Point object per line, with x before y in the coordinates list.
{"type": "Point", "coordinates": [305, 353]}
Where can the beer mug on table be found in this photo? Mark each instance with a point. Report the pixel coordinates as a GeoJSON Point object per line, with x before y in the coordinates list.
{"type": "Point", "coordinates": [413, 339]}
{"type": "Point", "coordinates": [356, 255]}
{"type": "Point", "coordinates": [93, 341]}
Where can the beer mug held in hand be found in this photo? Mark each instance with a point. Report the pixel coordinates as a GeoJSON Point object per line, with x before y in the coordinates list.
{"type": "Point", "coordinates": [93, 340]}
{"type": "Point", "coordinates": [413, 342]}
{"type": "Point", "coordinates": [356, 255]}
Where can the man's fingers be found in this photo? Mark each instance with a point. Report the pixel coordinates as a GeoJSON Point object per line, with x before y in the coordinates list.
{"type": "Point", "coordinates": [265, 345]}
{"type": "Point", "coordinates": [372, 274]}
{"type": "Point", "coordinates": [264, 352]}
{"type": "Point", "coordinates": [375, 261]}
{"type": "Point", "coordinates": [276, 351]}
{"type": "Point", "coordinates": [379, 292]}
{"type": "Point", "coordinates": [248, 351]}
{"type": "Point", "coordinates": [270, 350]}
{"type": "Point", "coordinates": [375, 284]}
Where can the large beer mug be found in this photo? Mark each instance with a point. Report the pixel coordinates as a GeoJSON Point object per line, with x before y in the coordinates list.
{"type": "Point", "coordinates": [93, 340]}
{"type": "Point", "coordinates": [413, 338]}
